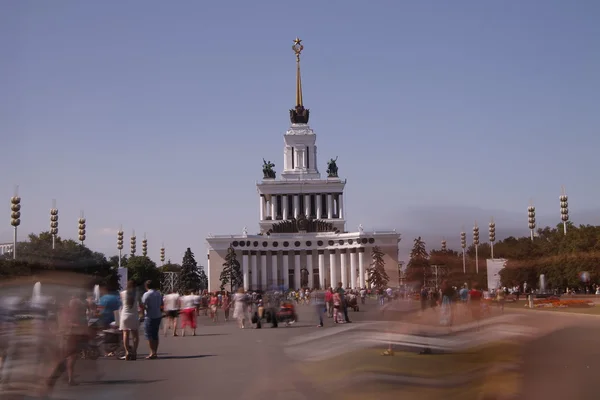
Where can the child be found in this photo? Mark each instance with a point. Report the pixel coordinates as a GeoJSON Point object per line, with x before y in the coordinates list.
{"type": "Point", "coordinates": [338, 316]}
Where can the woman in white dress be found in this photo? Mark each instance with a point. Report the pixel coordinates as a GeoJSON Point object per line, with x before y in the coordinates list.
{"type": "Point", "coordinates": [129, 322]}
{"type": "Point", "coordinates": [239, 307]}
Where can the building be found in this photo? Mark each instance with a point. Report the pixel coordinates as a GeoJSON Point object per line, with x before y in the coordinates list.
{"type": "Point", "coordinates": [303, 240]}
{"type": "Point", "coordinates": [6, 248]}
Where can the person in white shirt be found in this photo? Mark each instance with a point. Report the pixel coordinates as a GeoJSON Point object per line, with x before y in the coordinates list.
{"type": "Point", "coordinates": [172, 304]}
{"type": "Point", "coordinates": [188, 311]}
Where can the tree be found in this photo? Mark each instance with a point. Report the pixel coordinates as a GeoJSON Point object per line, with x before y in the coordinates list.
{"type": "Point", "coordinates": [141, 269]}
{"type": "Point", "coordinates": [377, 277]}
{"type": "Point", "coordinates": [231, 273]}
{"type": "Point", "coordinates": [203, 279]}
{"type": "Point", "coordinates": [189, 277]}
{"type": "Point", "coordinates": [418, 264]}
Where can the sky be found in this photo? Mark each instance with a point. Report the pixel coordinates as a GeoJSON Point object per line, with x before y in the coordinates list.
{"type": "Point", "coordinates": [156, 115]}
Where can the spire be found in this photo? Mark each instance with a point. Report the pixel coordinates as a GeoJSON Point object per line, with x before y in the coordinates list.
{"type": "Point", "coordinates": [298, 115]}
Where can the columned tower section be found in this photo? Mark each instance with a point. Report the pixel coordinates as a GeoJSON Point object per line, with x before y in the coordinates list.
{"type": "Point", "coordinates": [300, 194]}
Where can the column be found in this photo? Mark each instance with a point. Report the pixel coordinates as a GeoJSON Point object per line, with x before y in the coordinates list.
{"type": "Point", "coordinates": [286, 270]}
{"type": "Point", "coordinates": [263, 270]}
{"type": "Point", "coordinates": [309, 267]}
{"type": "Point", "coordinates": [274, 206]}
{"type": "Point", "coordinates": [296, 207]}
{"type": "Point", "coordinates": [319, 202]}
{"type": "Point", "coordinates": [343, 268]}
{"type": "Point", "coordinates": [297, 280]}
{"type": "Point", "coordinates": [307, 205]}
{"type": "Point", "coordinates": [274, 268]}
{"type": "Point", "coordinates": [361, 267]}
{"type": "Point", "coordinates": [254, 269]}
{"type": "Point", "coordinates": [245, 271]}
{"type": "Point", "coordinates": [321, 269]}
{"type": "Point", "coordinates": [284, 206]}
{"type": "Point", "coordinates": [341, 205]}
{"type": "Point", "coordinates": [329, 206]}
{"type": "Point", "coordinates": [332, 269]}
{"type": "Point", "coordinates": [262, 207]}
{"type": "Point", "coordinates": [268, 208]}
{"type": "Point", "coordinates": [353, 257]}
{"type": "Point", "coordinates": [208, 270]}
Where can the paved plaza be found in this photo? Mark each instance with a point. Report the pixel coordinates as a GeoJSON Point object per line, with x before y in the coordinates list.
{"type": "Point", "coordinates": [230, 363]}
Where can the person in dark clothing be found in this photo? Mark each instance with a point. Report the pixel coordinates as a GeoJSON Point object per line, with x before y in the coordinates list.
{"type": "Point", "coordinates": [344, 304]}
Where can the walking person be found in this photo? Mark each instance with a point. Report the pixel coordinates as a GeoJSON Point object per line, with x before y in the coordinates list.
{"type": "Point", "coordinates": [214, 307]}
{"type": "Point", "coordinates": [189, 313]}
{"type": "Point", "coordinates": [226, 305]}
{"type": "Point", "coordinates": [329, 302]}
{"type": "Point", "coordinates": [152, 303]}
{"type": "Point", "coordinates": [240, 301]}
{"type": "Point", "coordinates": [318, 299]}
{"type": "Point", "coordinates": [172, 306]}
{"type": "Point", "coordinates": [129, 322]}
{"type": "Point", "coordinates": [344, 304]}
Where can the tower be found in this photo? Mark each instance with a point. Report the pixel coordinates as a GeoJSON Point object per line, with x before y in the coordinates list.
{"type": "Point", "coordinates": [300, 195]}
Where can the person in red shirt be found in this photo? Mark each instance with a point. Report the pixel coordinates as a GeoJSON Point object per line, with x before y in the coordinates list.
{"type": "Point", "coordinates": [475, 296]}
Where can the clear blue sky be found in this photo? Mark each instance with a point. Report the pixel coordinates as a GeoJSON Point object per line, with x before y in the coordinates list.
{"type": "Point", "coordinates": [156, 115]}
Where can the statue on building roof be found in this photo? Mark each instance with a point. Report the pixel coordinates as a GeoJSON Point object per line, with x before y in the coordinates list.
{"type": "Point", "coordinates": [332, 169]}
{"type": "Point", "coordinates": [268, 171]}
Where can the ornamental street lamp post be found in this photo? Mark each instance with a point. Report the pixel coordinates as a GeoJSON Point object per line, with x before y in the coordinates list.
{"type": "Point", "coordinates": [15, 218]}
{"type": "Point", "coordinates": [564, 209]}
{"type": "Point", "coordinates": [162, 254]}
{"type": "Point", "coordinates": [54, 223]}
{"type": "Point", "coordinates": [120, 244]}
{"type": "Point", "coordinates": [463, 245]}
{"type": "Point", "coordinates": [492, 236]}
{"type": "Point", "coordinates": [531, 219]}
{"type": "Point", "coordinates": [444, 246]}
{"type": "Point", "coordinates": [476, 243]}
{"type": "Point", "coordinates": [81, 228]}
{"type": "Point", "coordinates": [132, 242]}
{"type": "Point", "coordinates": [144, 246]}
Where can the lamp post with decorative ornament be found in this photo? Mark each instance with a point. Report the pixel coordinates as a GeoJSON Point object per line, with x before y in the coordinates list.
{"type": "Point", "coordinates": [531, 220]}
{"type": "Point", "coordinates": [15, 218]}
{"type": "Point", "coordinates": [463, 245]}
{"type": "Point", "coordinates": [492, 236]}
{"type": "Point", "coordinates": [132, 243]}
{"type": "Point", "coordinates": [444, 246]}
{"type": "Point", "coordinates": [120, 244]}
{"type": "Point", "coordinates": [54, 223]}
{"type": "Point", "coordinates": [564, 209]}
{"type": "Point", "coordinates": [144, 246]}
{"type": "Point", "coordinates": [162, 255]}
{"type": "Point", "coordinates": [81, 228]}
{"type": "Point", "coordinates": [476, 244]}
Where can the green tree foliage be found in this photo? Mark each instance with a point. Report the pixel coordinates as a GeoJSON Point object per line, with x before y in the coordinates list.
{"type": "Point", "coordinates": [232, 273]}
{"type": "Point", "coordinates": [189, 277]}
{"type": "Point", "coordinates": [141, 269]}
{"type": "Point", "coordinates": [203, 279]}
{"type": "Point", "coordinates": [377, 277]}
{"type": "Point", "coordinates": [170, 267]}
{"type": "Point", "coordinates": [418, 264]}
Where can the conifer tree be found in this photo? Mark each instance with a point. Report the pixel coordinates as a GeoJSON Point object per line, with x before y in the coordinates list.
{"type": "Point", "coordinates": [189, 277]}
{"type": "Point", "coordinates": [232, 272]}
{"type": "Point", "coordinates": [377, 277]}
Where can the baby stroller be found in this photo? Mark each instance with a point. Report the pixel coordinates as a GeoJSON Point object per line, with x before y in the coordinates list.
{"type": "Point", "coordinates": [112, 342]}
{"type": "Point", "coordinates": [287, 314]}
{"type": "Point", "coordinates": [353, 302]}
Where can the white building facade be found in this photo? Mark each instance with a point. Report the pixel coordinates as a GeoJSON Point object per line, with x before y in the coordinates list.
{"type": "Point", "coordinates": [303, 240]}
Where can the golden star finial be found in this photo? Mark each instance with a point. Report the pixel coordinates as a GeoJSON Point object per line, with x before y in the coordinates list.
{"type": "Point", "coordinates": [297, 47]}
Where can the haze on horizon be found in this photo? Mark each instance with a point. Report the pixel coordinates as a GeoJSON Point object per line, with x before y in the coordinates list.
{"type": "Point", "coordinates": [157, 116]}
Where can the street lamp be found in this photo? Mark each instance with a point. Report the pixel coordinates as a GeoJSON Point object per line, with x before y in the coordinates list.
{"type": "Point", "coordinates": [444, 246]}
{"type": "Point", "coordinates": [132, 243]}
{"type": "Point", "coordinates": [162, 254]}
{"type": "Point", "coordinates": [564, 209]}
{"type": "Point", "coordinates": [120, 244]}
{"type": "Point", "coordinates": [476, 243]}
{"type": "Point", "coordinates": [53, 223]}
{"type": "Point", "coordinates": [15, 218]}
{"type": "Point", "coordinates": [144, 246]}
{"type": "Point", "coordinates": [81, 228]}
{"type": "Point", "coordinates": [492, 236]}
{"type": "Point", "coordinates": [531, 216]}
{"type": "Point", "coordinates": [463, 244]}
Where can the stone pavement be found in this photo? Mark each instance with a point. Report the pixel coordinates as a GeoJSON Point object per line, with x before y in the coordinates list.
{"type": "Point", "coordinates": [230, 363]}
